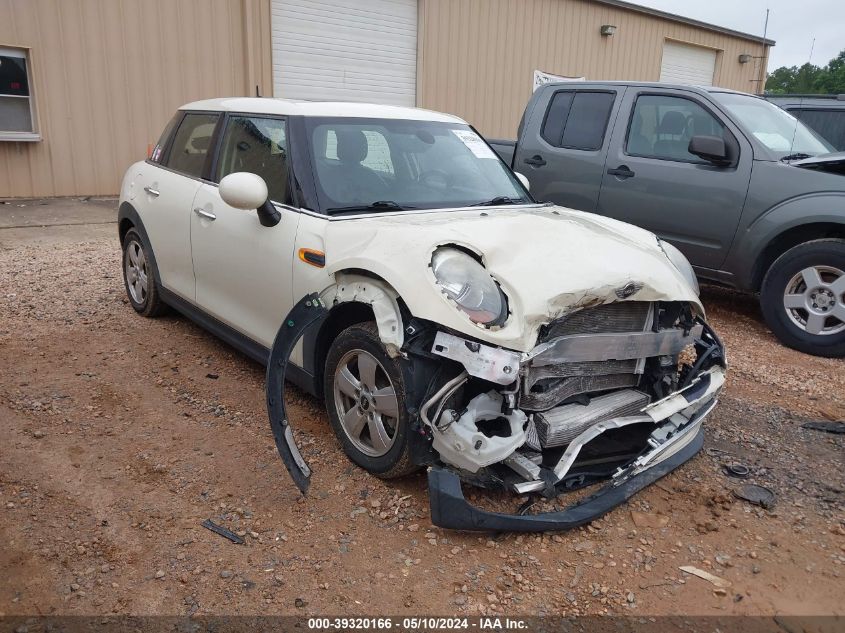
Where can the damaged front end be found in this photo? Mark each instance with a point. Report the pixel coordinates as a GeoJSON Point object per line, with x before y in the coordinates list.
{"type": "Point", "coordinates": [613, 393]}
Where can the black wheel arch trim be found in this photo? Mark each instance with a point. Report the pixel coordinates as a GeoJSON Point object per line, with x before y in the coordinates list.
{"type": "Point", "coordinates": [306, 313]}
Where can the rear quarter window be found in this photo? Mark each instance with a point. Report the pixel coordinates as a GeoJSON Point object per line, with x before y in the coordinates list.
{"type": "Point", "coordinates": [191, 143]}
{"type": "Point", "coordinates": [157, 152]}
{"type": "Point", "coordinates": [578, 119]}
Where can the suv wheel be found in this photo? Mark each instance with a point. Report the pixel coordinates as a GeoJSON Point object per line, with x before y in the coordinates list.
{"type": "Point", "coordinates": [365, 399]}
{"type": "Point", "coordinates": [139, 277]}
{"type": "Point", "coordinates": [803, 297]}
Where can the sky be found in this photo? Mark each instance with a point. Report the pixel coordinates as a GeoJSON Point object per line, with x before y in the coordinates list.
{"type": "Point", "coordinates": [792, 24]}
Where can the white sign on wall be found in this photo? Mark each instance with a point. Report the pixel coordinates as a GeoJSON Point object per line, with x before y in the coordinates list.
{"type": "Point", "coordinates": [541, 78]}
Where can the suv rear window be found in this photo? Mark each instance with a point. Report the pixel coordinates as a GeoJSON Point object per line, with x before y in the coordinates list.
{"type": "Point", "coordinates": [829, 124]}
{"type": "Point", "coordinates": [577, 119]}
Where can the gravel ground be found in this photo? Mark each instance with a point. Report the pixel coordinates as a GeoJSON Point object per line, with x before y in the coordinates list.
{"type": "Point", "coordinates": [120, 435]}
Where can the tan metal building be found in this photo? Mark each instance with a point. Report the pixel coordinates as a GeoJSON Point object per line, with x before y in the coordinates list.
{"type": "Point", "coordinates": [87, 85]}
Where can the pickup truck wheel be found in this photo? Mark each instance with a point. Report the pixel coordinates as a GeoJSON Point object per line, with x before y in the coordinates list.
{"type": "Point", "coordinates": [139, 277]}
{"type": "Point", "coordinates": [803, 297]}
{"type": "Point", "coordinates": [365, 400]}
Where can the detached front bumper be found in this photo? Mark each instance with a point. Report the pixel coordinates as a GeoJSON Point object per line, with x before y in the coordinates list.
{"type": "Point", "coordinates": [450, 510]}
{"type": "Point", "coordinates": [677, 437]}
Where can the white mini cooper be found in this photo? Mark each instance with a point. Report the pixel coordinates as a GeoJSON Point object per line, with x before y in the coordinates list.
{"type": "Point", "coordinates": [452, 321]}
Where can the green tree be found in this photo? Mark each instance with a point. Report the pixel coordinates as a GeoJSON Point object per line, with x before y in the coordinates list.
{"type": "Point", "coordinates": [801, 80]}
{"type": "Point", "coordinates": [809, 79]}
{"type": "Point", "coordinates": [832, 78]}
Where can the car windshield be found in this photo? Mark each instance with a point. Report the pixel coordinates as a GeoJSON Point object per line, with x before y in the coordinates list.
{"type": "Point", "coordinates": [775, 128]}
{"type": "Point", "coordinates": [371, 165]}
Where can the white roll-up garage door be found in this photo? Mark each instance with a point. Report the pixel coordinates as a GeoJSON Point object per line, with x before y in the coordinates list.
{"type": "Point", "coordinates": [687, 64]}
{"type": "Point", "coordinates": [345, 50]}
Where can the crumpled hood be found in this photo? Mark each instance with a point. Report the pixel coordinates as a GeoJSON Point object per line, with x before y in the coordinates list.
{"type": "Point", "coordinates": [549, 260]}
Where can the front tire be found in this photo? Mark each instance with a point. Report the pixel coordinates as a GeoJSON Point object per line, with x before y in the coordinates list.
{"type": "Point", "coordinates": [139, 277]}
{"type": "Point", "coordinates": [365, 399]}
{"type": "Point", "coordinates": [803, 298]}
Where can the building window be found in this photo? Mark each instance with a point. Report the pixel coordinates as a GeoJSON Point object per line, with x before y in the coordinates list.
{"type": "Point", "coordinates": [17, 120]}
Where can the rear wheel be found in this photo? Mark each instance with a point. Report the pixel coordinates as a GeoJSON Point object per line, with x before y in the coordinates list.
{"type": "Point", "coordinates": [803, 297]}
{"type": "Point", "coordinates": [365, 400]}
{"type": "Point", "coordinates": [139, 277]}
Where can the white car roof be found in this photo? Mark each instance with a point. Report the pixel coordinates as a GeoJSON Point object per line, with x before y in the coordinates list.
{"type": "Point", "coordinates": [261, 105]}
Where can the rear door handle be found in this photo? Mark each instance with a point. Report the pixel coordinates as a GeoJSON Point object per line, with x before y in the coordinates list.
{"type": "Point", "coordinates": [535, 161]}
{"type": "Point", "coordinates": [208, 215]}
{"type": "Point", "coordinates": [153, 192]}
{"type": "Point", "coordinates": [621, 172]}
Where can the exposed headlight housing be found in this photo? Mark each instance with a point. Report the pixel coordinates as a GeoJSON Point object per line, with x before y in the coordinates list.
{"type": "Point", "coordinates": [681, 263]}
{"type": "Point", "coordinates": [469, 285]}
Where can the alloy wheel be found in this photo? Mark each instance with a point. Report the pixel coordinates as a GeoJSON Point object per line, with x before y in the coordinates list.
{"type": "Point", "coordinates": [136, 272]}
{"type": "Point", "coordinates": [366, 402]}
{"type": "Point", "coordinates": [814, 300]}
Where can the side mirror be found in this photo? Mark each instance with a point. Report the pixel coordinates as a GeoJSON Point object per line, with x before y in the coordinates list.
{"type": "Point", "coordinates": [524, 180]}
{"type": "Point", "coordinates": [709, 148]}
{"type": "Point", "coordinates": [247, 191]}
{"type": "Point", "coordinates": [243, 190]}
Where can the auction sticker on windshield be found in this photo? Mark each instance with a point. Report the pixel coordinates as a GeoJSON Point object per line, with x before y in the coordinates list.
{"type": "Point", "coordinates": [474, 143]}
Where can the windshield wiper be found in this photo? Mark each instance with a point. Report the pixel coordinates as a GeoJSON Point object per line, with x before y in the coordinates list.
{"type": "Point", "coordinates": [796, 156]}
{"type": "Point", "coordinates": [378, 205]}
{"type": "Point", "coordinates": [497, 201]}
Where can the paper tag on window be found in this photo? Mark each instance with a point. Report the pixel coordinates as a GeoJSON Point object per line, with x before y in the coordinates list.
{"type": "Point", "coordinates": [474, 143]}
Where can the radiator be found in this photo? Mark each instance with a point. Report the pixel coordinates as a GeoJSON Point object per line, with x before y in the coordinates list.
{"type": "Point", "coordinates": [559, 426]}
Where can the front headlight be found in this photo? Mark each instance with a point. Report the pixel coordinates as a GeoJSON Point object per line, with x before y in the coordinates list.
{"type": "Point", "coordinates": [469, 285]}
{"type": "Point", "coordinates": [681, 263]}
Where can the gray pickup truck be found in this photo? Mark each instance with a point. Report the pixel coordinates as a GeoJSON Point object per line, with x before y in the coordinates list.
{"type": "Point", "coordinates": [752, 196]}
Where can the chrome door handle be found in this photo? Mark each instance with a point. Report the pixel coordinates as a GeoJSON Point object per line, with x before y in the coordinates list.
{"type": "Point", "coordinates": [208, 215]}
{"type": "Point", "coordinates": [152, 192]}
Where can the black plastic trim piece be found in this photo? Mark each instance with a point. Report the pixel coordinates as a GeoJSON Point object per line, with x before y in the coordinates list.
{"type": "Point", "coordinates": [450, 510]}
{"type": "Point", "coordinates": [309, 311]}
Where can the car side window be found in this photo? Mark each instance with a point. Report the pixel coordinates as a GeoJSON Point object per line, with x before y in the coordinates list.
{"type": "Point", "coordinates": [577, 119]}
{"type": "Point", "coordinates": [661, 127]}
{"type": "Point", "coordinates": [257, 145]}
{"type": "Point", "coordinates": [158, 150]}
{"type": "Point", "coordinates": [191, 144]}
